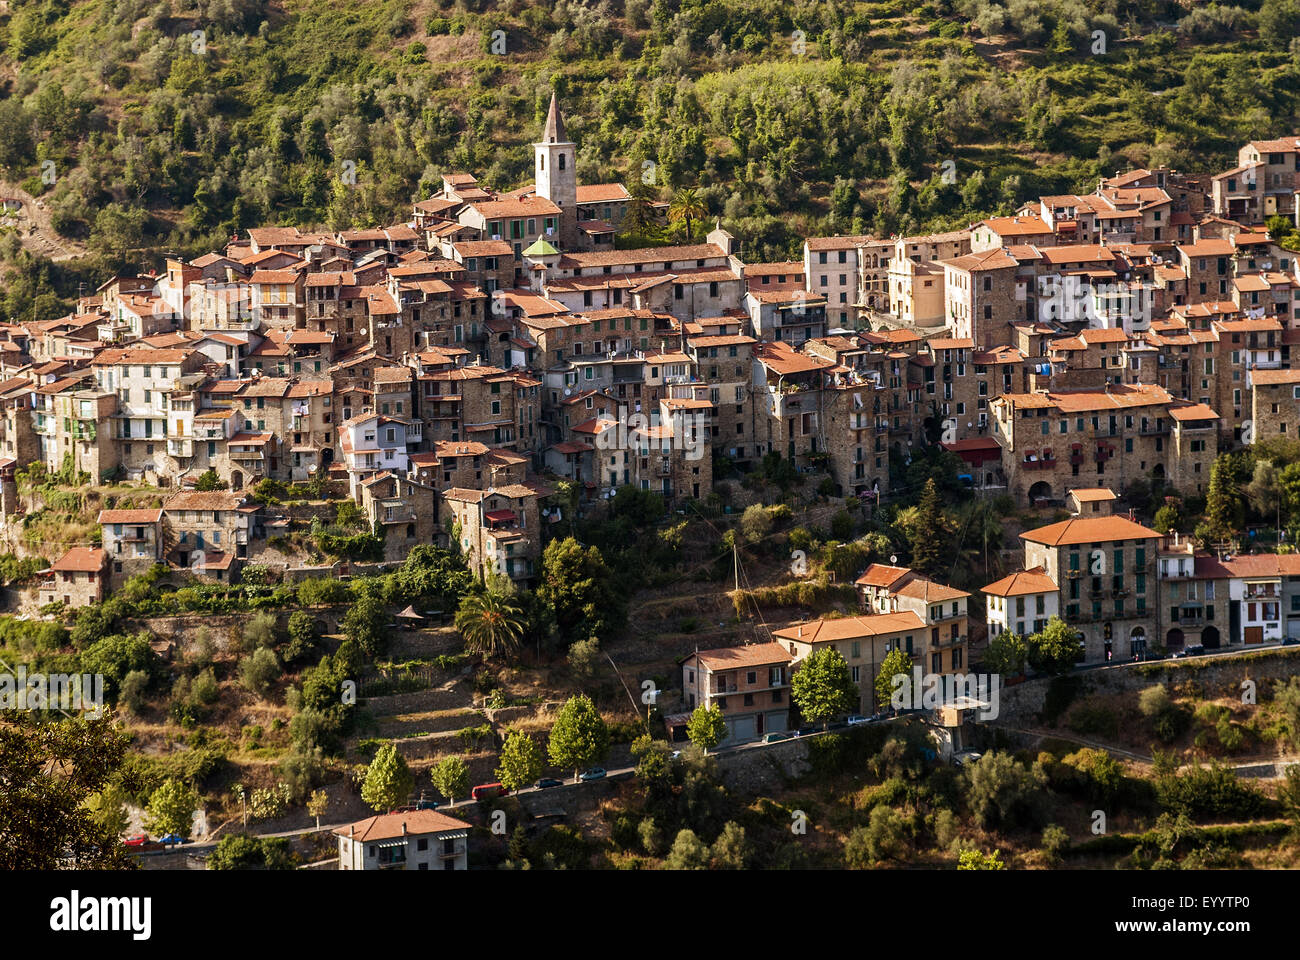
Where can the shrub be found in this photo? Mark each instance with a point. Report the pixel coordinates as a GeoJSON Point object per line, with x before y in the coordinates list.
{"type": "Point", "coordinates": [1209, 791]}
{"type": "Point", "coordinates": [261, 630]}
{"type": "Point", "coordinates": [259, 670]}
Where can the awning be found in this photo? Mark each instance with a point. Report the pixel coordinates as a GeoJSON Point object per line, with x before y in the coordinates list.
{"type": "Point", "coordinates": [500, 516]}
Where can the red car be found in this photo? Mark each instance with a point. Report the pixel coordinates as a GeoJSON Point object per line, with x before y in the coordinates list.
{"type": "Point", "coordinates": [486, 791]}
{"type": "Point", "coordinates": [139, 840]}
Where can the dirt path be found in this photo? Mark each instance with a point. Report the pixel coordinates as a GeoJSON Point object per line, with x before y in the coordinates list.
{"type": "Point", "coordinates": [35, 229]}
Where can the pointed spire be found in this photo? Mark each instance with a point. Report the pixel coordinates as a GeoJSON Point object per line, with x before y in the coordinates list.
{"type": "Point", "coordinates": [554, 132]}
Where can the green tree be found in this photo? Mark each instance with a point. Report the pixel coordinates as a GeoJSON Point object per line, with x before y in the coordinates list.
{"type": "Point", "coordinates": [580, 591]}
{"type": "Point", "coordinates": [491, 625]}
{"type": "Point", "coordinates": [115, 656]}
{"type": "Point", "coordinates": [49, 770]}
{"type": "Point", "coordinates": [259, 670]}
{"type": "Point", "coordinates": [974, 860]}
{"type": "Point", "coordinates": [1006, 654]}
{"type": "Point", "coordinates": [1279, 22]}
{"type": "Point", "coordinates": [689, 852]}
{"type": "Point", "coordinates": [389, 781]}
{"type": "Point", "coordinates": [928, 533]}
{"type": "Point", "coordinates": [317, 804]}
{"type": "Point", "coordinates": [731, 851]}
{"type": "Point", "coordinates": [209, 480]}
{"type": "Point", "coordinates": [1055, 648]}
{"type": "Point", "coordinates": [450, 777]}
{"type": "Point", "coordinates": [366, 625]}
{"type": "Point", "coordinates": [579, 737]}
{"type": "Point", "coordinates": [756, 522]}
{"type": "Point", "coordinates": [823, 687]}
{"type": "Point", "coordinates": [1170, 517]}
{"type": "Point", "coordinates": [1055, 842]}
{"type": "Point", "coordinates": [896, 662]}
{"type": "Point", "coordinates": [520, 762]}
{"type": "Point", "coordinates": [171, 808]}
{"type": "Point", "coordinates": [1223, 508]}
{"type": "Point", "coordinates": [883, 838]}
{"type": "Point", "coordinates": [302, 637]}
{"type": "Point", "coordinates": [687, 207]}
{"type": "Point", "coordinates": [707, 726]}
{"type": "Point", "coordinates": [1002, 792]}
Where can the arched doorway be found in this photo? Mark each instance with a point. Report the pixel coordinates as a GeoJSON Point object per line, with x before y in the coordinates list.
{"type": "Point", "coordinates": [327, 456]}
{"type": "Point", "coordinates": [1174, 639]}
{"type": "Point", "coordinates": [1137, 641]}
{"type": "Point", "coordinates": [1210, 638]}
{"type": "Point", "coordinates": [1159, 472]}
{"type": "Point", "coordinates": [236, 480]}
{"type": "Point", "coordinates": [1042, 490]}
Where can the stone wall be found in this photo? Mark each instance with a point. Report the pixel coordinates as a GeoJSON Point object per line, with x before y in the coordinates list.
{"type": "Point", "coordinates": [1210, 677]}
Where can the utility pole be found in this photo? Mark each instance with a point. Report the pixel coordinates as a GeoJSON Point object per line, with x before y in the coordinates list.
{"type": "Point", "coordinates": [735, 557]}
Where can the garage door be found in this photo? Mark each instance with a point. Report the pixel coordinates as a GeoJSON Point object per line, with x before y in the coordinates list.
{"type": "Point", "coordinates": [777, 721]}
{"type": "Point", "coordinates": [744, 728]}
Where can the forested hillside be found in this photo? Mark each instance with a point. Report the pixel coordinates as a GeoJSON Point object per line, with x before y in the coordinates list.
{"type": "Point", "coordinates": [171, 124]}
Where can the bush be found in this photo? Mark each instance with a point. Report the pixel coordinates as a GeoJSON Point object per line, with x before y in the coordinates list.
{"type": "Point", "coordinates": [302, 637]}
{"type": "Point", "coordinates": [243, 852]}
{"type": "Point", "coordinates": [261, 630]}
{"type": "Point", "coordinates": [259, 670]}
{"type": "Point", "coordinates": [1213, 791]}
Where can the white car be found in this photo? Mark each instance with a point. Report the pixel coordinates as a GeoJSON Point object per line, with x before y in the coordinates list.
{"type": "Point", "coordinates": [966, 758]}
{"type": "Point", "coordinates": [854, 719]}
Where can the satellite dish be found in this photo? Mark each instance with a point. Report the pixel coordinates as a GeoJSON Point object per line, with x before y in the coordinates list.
{"type": "Point", "coordinates": [893, 558]}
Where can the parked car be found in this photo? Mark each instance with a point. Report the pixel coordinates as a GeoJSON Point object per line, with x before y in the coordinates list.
{"type": "Point", "coordinates": [854, 719]}
{"type": "Point", "coordinates": [487, 791]}
{"type": "Point", "coordinates": [965, 758]}
{"type": "Point", "coordinates": [1290, 641]}
{"type": "Point", "coordinates": [172, 838]}
{"type": "Point", "coordinates": [138, 840]}
{"type": "Point", "coordinates": [595, 773]}
{"type": "Point", "coordinates": [427, 804]}
{"type": "Point", "coordinates": [779, 735]}
{"type": "Point", "coordinates": [545, 782]}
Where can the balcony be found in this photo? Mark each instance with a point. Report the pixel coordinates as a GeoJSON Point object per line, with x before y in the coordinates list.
{"type": "Point", "coordinates": [255, 455]}
{"type": "Point", "coordinates": [1038, 464]}
{"type": "Point", "coordinates": [180, 447]}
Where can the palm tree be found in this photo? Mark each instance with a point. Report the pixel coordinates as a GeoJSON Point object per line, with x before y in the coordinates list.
{"type": "Point", "coordinates": [687, 206]}
{"type": "Point", "coordinates": [491, 624]}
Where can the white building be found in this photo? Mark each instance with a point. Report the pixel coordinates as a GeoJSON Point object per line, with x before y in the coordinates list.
{"type": "Point", "coordinates": [411, 840]}
{"type": "Point", "coordinates": [1022, 602]}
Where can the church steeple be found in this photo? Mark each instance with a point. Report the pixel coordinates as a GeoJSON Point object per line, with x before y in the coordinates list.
{"type": "Point", "coordinates": [554, 132]}
{"type": "Point", "coordinates": [556, 175]}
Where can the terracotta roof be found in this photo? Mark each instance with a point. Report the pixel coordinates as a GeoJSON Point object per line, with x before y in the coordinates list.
{"type": "Point", "coordinates": [204, 500]}
{"type": "Point", "coordinates": [737, 658]}
{"type": "Point", "coordinates": [1021, 583]}
{"type": "Point", "coordinates": [80, 560]}
{"type": "Point", "coordinates": [130, 516]}
{"type": "Point", "coordinates": [389, 826]}
{"type": "Point", "coordinates": [881, 575]}
{"type": "Point", "coordinates": [848, 628]}
{"type": "Point", "coordinates": [1088, 530]}
{"type": "Point", "coordinates": [1093, 494]}
{"type": "Point", "coordinates": [928, 591]}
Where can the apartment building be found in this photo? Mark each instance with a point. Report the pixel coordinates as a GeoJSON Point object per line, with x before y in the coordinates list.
{"type": "Point", "coordinates": [749, 684]}
{"type": "Point", "coordinates": [1106, 576]}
